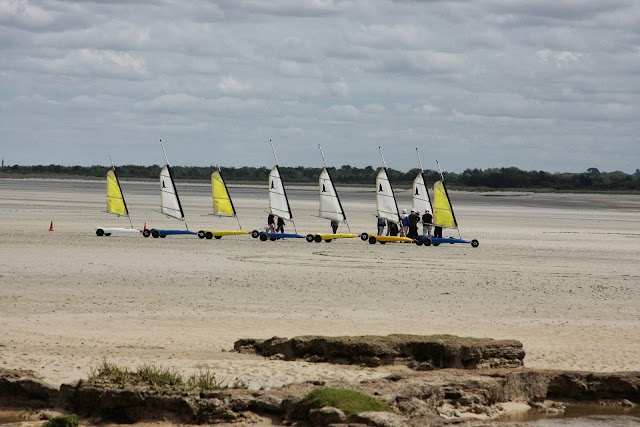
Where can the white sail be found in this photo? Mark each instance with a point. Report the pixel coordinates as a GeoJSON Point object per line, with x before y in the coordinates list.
{"type": "Point", "coordinates": [421, 200]}
{"type": "Point", "coordinates": [330, 206]}
{"type": "Point", "coordinates": [169, 203]}
{"type": "Point", "coordinates": [385, 199]}
{"type": "Point", "coordinates": [278, 202]}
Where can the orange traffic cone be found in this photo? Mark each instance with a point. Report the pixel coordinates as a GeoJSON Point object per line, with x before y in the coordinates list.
{"type": "Point", "coordinates": [145, 226]}
{"type": "Point", "coordinates": [51, 227]}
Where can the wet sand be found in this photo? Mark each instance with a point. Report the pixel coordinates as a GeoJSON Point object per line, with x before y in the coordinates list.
{"type": "Point", "coordinates": [557, 271]}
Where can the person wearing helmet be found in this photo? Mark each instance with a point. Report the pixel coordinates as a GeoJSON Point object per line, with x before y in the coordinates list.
{"type": "Point", "coordinates": [404, 222]}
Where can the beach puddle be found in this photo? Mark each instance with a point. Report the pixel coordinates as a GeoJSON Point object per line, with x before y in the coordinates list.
{"type": "Point", "coordinates": [580, 415]}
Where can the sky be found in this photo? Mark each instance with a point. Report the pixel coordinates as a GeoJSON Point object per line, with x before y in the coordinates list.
{"type": "Point", "coordinates": [541, 85]}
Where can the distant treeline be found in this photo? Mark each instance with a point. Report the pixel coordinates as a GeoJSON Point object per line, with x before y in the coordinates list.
{"type": "Point", "coordinates": [493, 178]}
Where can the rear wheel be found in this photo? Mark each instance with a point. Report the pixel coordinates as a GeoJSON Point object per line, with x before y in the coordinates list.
{"type": "Point", "coordinates": [218, 237]}
{"type": "Point", "coordinates": [427, 242]}
{"type": "Point", "coordinates": [208, 235]}
{"type": "Point", "coordinates": [364, 237]}
{"type": "Point", "coordinates": [273, 239]}
{"type": "Point", "coordinates": [328, 240]}
{"type": "Point", "coordinates": [309, 238]}
{"type": "Point", "coordinates": [100, 232]}
{"type": "Point", "coordinates": [372, 240]}
{"type": "Point", "coordinates": [475, 243]}
{"type": "Point", "coordinates": [155, 234]}
{"type": "Point", "coordinates": [317, 238]}
{"type": "Point", "coordinates": [263, 237]}
{"type": "Point", "coordinates": [163, 236]}
{"type": "Point", "coordinates": [107, 234]}
{"type": "Point", "coordinates": [419, 242]}
{"type": "Point", "coordinates": [201, 234]}
{"type": "Point", "coordinates": [146, 233]}
{"type": "Point", "coordinates": [382, 242]}
{"type": "Point", "coordinates": [255, 234]}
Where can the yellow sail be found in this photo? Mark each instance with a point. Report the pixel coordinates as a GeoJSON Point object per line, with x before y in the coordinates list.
{"type": "Point", "coordinates": [115, 200]}
{"type": "Point", "coordinates": [221, 200]}
{"type": "Point", "coordinates": [442, 212]}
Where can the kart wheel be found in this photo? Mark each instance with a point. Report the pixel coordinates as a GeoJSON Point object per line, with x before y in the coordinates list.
{"type": "Point", "coordinates": [107, 234]}
{"type": "Point", "coordinates": [218, 237]}
{"type": "Point", "coordinates": [155, 234]}
{"type": "Point", "coordinates": [146, 233]}
{"type": "Point", "coordinates": [99, 232]}
{"type": "Point", "coordinates": [317, 239]}
{"type": "Point", "coordinates": [263, 237]}
{"type": "Point", "coordinates": [255, 234]}
{"type": "Point", "coordinates": [201, 234]}
{"type": "Point", "coordinates": [364, 237]}
{"type": "Point", "coordinates": [475, 243]}
{"type": "Point", "coordinates": [273, 239]}
{"type": "Point", "coordinates": [436, 244]}
{"type": "Point", "coordinates": [419, 242]}
{"type": "Point", "coordinates": [382, 242]}
{"type": "Point", "coordinates": [328, 240]}
{"type": "Point", "coordinates": [372, 240]}
{"type": "Point", "coordinates": [427, 242]}
{"type": "Point", "coordinates": [208, 235]}
{"type": "Point", "coordinates": [163, 236]}
{"type": "Point", "coordinates": [309, 238]}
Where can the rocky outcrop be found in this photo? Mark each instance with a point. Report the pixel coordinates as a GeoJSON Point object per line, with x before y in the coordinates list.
{"type": "Point", "coordinates": [19, 388]}
{"type": "Point", "coordinates": [417, 351]}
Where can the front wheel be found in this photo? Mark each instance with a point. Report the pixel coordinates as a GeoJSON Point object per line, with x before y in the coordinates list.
{"type": "Point", "coordinates": [146, 233]}
{"type": "Point", "coordinates": [419, 242]}
{"type": "Point", "coordinates": [255, 234]}
{"type": "Point", "coordinates": [475, 243]}
{"type": "Point", "coordinates": [364, 237]}
{"type": "Point", "coordinates": [309, 238]}
{"type": "Point", "coordinates": [263, 237]}
{"type": "Point", "coordinates": [99, 232]}
{"type": "Point", "coordinates": [201, 234]}
{"type": "Point", "coordinates": [372, 240]}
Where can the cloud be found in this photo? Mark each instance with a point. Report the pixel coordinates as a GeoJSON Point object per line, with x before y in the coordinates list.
{"type": "Point", "coordinates": [230, 85]}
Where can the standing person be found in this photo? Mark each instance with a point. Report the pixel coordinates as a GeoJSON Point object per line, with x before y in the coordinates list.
{"type": "Point", "coordinates": [437, 231]}
{"type": "Point", "coordinates": [404, 220]}
{"type": "Point", "coordinates": [393, 228]}
{"type": "Point", "coordinates": [381, 224]}
{"type": "Point", "coordinates": [427, 218]}
{"type": "Point", "coordinates": [334, 225]}
{"type": "Point", "coordinates": [271, 223]}
{"type": "Point", "coordinates": [414, 219]}
{"type": "Point", "coordinates": [280, 227]}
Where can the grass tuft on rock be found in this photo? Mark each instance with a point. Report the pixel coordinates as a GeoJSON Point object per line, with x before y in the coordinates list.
{"type": "Point", "coordinates": [348, 401]}
{"type": "Point", "coordinates": [63, 421]}
{"type": "Point", "coordinates": [158, 377]}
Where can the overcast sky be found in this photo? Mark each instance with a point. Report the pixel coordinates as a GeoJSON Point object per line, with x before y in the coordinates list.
{"type": "Point", "coordinates": [538, 84]}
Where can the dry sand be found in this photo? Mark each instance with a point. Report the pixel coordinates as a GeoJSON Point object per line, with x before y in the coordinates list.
{"type": "Point", "coordinates": [558, 272]}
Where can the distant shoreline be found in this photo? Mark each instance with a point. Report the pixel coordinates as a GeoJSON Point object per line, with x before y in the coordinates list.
{"type": "Point", "coordinates": [352, 186]}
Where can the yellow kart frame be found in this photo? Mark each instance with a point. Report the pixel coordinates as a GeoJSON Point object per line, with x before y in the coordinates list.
{"type": "Point", "coordinates": [373, 238]}
{"type": "Point", "coordinates": [210, 234]}
{"type": "Point", "coordinates": [319, 237]}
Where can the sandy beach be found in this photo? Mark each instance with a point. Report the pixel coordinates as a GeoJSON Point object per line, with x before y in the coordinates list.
{"type": "Point", "coordinates": [558, 272]}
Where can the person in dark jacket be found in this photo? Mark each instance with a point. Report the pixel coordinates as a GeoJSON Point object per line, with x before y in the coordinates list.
{"type": "Point", "coordinates": [334, 226]}
{"type": "Point", "coordinates": [427, 220]}
{"type": "Point", "coordinates": [414, 219]}
{"type": "Point", "coordinates": [280, 225]}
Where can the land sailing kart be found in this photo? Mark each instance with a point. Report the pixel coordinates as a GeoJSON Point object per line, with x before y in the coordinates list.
{"type": "Point", "coordinates": [374, 238]}
{"type": "Point", "coordinates": [155, 233]}
{"type": "Point", "coordinates": [266, 235]}
{"type": "Point", "coordinates": [435, 241]}
{"type": "Point", "coordinates": [328, 237]}
{"type": "Point", "coordinates": [107, 231]}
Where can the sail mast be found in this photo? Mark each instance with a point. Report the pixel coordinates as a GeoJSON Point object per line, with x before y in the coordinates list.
{"type": "Point", "coordinates": [334, 188]}
{"type": "Point", "coordinates": [113, 168]}
{"type": "Point", "coordinates": [390, 186]}
{"type": "Point", "coordinates": [173, 184]}
{"type": "Point", "coordinates": [283, 189]}
{"type": "Point", "coordinates": [447, 194]}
